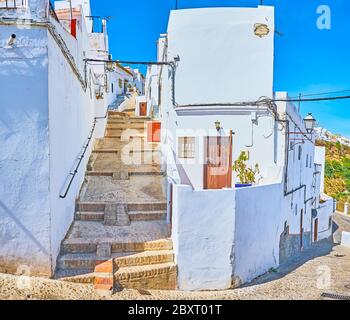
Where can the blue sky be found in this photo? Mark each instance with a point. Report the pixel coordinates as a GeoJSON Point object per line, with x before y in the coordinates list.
{"type": "Point", "coordinates": [307, 60]}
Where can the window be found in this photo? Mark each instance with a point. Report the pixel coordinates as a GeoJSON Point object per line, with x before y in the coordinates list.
{"type": "Point", "coordinates": [112, 87]}
{"type": "Point", "coordinates": [186, 147]}
{"type": "Point", "coordinates": [307, 161]}
{"type": "Point", "coordinates": [310, 162]}
{"type": "Point", "coordinates": [120, 82]}
{"type": "Point", "coordinates": [12, 4]}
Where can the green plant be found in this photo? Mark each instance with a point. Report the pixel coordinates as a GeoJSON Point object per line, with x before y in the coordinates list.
{"type": "Point", "coordinates": [245, 174]}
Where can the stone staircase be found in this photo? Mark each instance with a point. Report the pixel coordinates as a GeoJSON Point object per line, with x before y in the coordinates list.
{"type": "Point", "coordinates": [120, 237]}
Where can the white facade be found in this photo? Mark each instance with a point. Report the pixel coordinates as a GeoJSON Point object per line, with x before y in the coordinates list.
{"type": "Point", "coordinates": [48, 111]}
{"type": "Point", "coordinates": [224, 56]}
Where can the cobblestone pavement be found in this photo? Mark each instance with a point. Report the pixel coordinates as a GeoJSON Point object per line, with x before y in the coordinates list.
{"type": "Point", "coordinates": [325, 268]}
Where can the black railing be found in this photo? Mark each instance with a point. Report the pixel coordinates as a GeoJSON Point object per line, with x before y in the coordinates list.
{"type": "Point", "coordinates": [13, 4]}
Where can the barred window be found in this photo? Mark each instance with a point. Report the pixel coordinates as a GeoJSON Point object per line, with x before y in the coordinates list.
{"type": "Point", "coordinates": [186, 147]}
{"type": "Point", "coordinates": [13, 4]}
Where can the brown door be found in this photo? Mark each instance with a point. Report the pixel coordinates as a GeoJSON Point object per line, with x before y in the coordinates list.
{"type": "Point", "coordinates": [218, 162]}
{"type": "Point", "coordinates": [316, 231]}
{"type": "Point", "coordinates": [143, 109]}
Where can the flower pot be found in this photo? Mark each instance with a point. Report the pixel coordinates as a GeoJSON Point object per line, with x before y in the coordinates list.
{"type": "Point", "coordinates": [243, 185]}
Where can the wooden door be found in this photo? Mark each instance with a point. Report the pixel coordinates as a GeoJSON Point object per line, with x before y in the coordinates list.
{"type": "Point", "coordinates": [143, 109]}
{"type": "Point", "coordinates": [316, 230]}
{"type": "Point", "coordinates": [218, 162]}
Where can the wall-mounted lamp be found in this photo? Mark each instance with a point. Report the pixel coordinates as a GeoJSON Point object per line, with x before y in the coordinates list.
{"type": "Point", "coordinates": [218, 125]}
{"type": "Point", "coordinates": [12, 40]}
{"type": "Point", "coordinates": [310, 123]}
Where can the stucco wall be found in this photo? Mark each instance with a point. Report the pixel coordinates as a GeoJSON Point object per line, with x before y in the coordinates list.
{"type": "Point", "coordinates": [217, 48]}
{"type": "Point", "coordinates": [35, 9]}
{"type": "Point", "coordinates": [203, 233]}
{"type": "Point", "coordinates": [24, 155]}
{"type": "Point", "coordinates": [71, 115]}
{"type": "Point", "coordinates": [257, 232]}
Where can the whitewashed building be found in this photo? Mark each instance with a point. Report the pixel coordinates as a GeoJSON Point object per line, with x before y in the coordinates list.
{"type": "Point", "coordinates": [53, 106]}
{"type": "Point", "coordinates": [212, 92]}
{"type": "Point", "coordinates": [223, 58]}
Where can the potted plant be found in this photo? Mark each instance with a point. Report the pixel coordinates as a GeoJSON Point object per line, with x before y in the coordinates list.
{"type": "Point", "coordinates": [246, 175]}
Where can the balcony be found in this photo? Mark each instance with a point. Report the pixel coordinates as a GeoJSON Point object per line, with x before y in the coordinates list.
{"type": "Point", "coordinates": [13, 4]}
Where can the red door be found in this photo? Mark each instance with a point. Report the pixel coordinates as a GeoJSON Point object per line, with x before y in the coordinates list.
{"type": "Point", "coordinates": [143, 109]}
{"type": "Point", "coordinates": [153, 131]}
{"type": "Point", "coordinates": [218, 162]}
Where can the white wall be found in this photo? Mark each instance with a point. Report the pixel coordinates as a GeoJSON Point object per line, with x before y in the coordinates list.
{"type": "Point", "coordinates": [258, 228]}
{"type": "Point", "coordinates": [71, 115]}
{"type": "Point", "coordinates": [203, 233]}
{"type": "Point", "coordinates": [217, 49]}
{"type": "Point", "coordinates": [35, 9]}
{"type": "Point", "coordinates": [24, 155]}
{"type": "Point", "coordinates": [320, 158]}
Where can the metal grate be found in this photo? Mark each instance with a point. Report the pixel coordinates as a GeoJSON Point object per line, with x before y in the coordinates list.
{"type": "Point", "coordinates": [335, 296]}
{"type": "Point", "coordinates": [12, 4]}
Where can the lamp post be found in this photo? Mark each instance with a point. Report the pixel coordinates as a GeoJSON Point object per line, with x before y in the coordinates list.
{"type": "Point", "coordinates": [310, 123]}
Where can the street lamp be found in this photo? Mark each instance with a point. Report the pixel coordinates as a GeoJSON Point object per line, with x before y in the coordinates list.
{"type": "Point", "coordinates": [310, 123]}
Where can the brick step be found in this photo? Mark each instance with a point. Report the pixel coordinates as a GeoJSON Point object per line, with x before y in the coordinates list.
{"type": "Point", "coordinates": [146, 215]}
{"type": "Point", "coordinates": [116, 114]}
{"type": "Point", "coordinates": [150, 277]}
{"type": "Point", "coordinates": [123, 126]}
{"type": "Point", "coordinates": [86, 246]}
{"type": "Point", "coordinates": [82, 261]}
{"type": "Point", "coordinates": [132, 206]}
{"type": "Point", "coordinates": [112, 143]}
{"type": "Point", "coordinates": [144, 258]}
{"type": "Point", "coordinates": [125, 133]}
{"type": "Point", "coordinates": [133, 215]}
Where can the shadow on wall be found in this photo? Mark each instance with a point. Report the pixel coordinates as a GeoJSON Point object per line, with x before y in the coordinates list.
{"type": "Point", "coordinates": [317, 250]}
{"type": "Point", "coordinates": [6, 210]}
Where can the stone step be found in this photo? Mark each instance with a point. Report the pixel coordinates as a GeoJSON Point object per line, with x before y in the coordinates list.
{"type": "Point", "coordinates": [88, 246]}
{"type": "Point", "coordinates": [116, 119]}
{"type": "Point", "coordinates": [123, 126]}
{"type": "Point", "coordinates": [132, 206]}
{"type": "Point", "coordinates": [150, 277]}
{"type": "Point", "coordinates": [133, 215]}
{"type": "Point", "coordinates": [89, 216]}
{"type": "Point", "coordinates": [132, 172]}
{"type": "Point", "coordinates": [80, 261]}
{"type": "Point", "coordinates": [144, 258]}
{"type": "Point", "coordinates": [85, 276]}
{"type": "Point", "coordinates": [146, 215]}
{"type": "Point", "coordinates": [118, 135]}
{"type": "Point", "coordinates": [118, 150]}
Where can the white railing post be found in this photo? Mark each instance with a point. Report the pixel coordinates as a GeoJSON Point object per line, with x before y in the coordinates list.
{"type": "Point", "coordinates": [346, 208]}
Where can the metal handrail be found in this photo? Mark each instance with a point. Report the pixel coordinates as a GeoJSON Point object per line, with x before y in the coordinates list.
{"type": "Point", "coordinates": [80, 159]}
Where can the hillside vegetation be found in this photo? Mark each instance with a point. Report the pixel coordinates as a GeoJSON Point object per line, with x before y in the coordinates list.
{"type": "Point", "coordinates": [337, 176]}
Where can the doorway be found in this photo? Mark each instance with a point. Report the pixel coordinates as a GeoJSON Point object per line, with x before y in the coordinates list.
{"type": "Point", "coordinates": [316, 230]}
{"type": "Point", "coordinates": [218, 162]}
{"type": "Point", "coordinates": [301, 228]}
{"type": "Point", "coordinates": [143, 109]}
